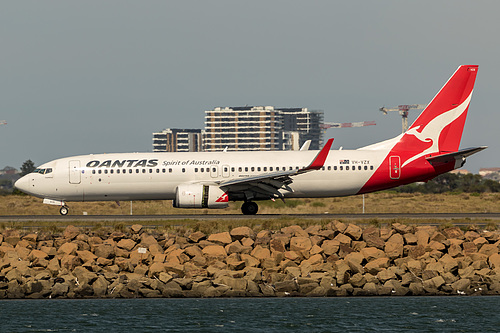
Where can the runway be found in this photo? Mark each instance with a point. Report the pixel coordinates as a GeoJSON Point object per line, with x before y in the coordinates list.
{"type": "Point", "coordinates": [474, 217]}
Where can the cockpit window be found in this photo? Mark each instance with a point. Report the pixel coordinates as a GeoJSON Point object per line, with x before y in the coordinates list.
{"type": "Point", "coordinates": [43, 171]}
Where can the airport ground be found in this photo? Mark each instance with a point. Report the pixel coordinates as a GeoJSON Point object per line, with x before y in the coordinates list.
{"type": "Point", "coordinates": [391, 207]}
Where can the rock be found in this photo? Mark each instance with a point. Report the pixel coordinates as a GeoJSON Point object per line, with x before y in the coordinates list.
{"type": "Point", "coordinates": [86, 256]}
{"type": "Point", "coordinates": [377, 265]}
{"type": "Point", "coordinates": [196, 236]}
{"type": "Point", "coordinates": [214, 251]}
{"type": "Point", "coordinates": [394, 246]}
{"type": "Point", "coordinates": [494, 261]}
{"type": "Point", "coordinates": [372, 253]}
{"type": "Point", "coordinates": [222, 238]}
{"type": "Point", "coordinates": [286, 286]}
{"type": "Point", "coordinates": [461, 285]}
{"type": "Point", "coordinates": [353, 231]}
{"type": "Point", "coordinates": [489, 249]}
{"type": "Point", "coordinates": [104, 251]}
{"type": "Point", "coordinates": [372, 238]}
{"type": "Point", "coordinates": [261, 253]}
{"type": "Point", "coordinates": [295, 230]}
{"type": "Point", "coordinates": [422, 237]}
{"type": "Point", "coordinates": [126, 244]}
{"type": "Point", "coordinates": [242, 232]}
{"type": "Point", "coordinates": [136, 228]}
{"type": "Point", "coordinates": [343, 239]}
{"type": "Point", "coordinates": [68, 248]}
{"type": "Point", "coordinates": [453, 232]}
{"type": "Point", "coordinates": [71, 232]}
{"type": "Point", "coordinates": [100, 286]}
{"type": "Point", "coordinates": [330, 246]}
{"type": "Point", "coordinates": [300, 244]}
{"type": "Point", "coordinates": [59, 290]}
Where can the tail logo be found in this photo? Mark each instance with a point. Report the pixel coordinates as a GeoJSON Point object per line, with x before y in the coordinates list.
{"type": "Point", "coordinates": [430, 133]}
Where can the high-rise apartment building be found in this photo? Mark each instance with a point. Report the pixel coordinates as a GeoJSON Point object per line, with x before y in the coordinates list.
{"type": "Point", "coordinates": [243, 128]}
{"type": "Point", "coordinates": [174, 139]}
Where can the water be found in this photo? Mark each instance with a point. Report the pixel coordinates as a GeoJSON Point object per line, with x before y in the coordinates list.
{"type": "Point", "coordinates": [374, 314]}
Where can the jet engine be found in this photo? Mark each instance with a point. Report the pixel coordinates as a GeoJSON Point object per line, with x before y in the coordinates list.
{"type": "Point", "coordinates": [200, 196]}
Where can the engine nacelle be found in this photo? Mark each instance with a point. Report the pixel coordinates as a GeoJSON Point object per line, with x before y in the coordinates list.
{"type": "Point", "coordinates": [200, 196]}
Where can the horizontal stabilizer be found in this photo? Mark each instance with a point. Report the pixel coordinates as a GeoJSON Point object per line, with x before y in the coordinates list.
{"type": "Point", "coordinates": [459, 155]}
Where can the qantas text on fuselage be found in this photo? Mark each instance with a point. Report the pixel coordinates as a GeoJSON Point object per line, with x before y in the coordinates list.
{"type": "Point", "coordinates": [211, 179]}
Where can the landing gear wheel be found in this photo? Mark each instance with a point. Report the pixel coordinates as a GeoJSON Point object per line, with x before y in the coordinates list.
{"type": "Point", "coordinates": [249, 208]}
{"type": "Point", "coordinates": [64, 210]}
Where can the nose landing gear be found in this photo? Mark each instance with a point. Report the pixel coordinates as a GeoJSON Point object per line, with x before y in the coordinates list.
{"type": "Point", "coordinates": [64, 210]}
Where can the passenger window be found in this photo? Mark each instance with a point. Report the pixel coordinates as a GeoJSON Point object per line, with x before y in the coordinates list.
{"type": "Point", "coordinates": [225, 169]}
{"type": "Point", "coordinates": [322, 168]}
{"type": "Point", "coordinates": [329, 168]}
{"type": "Point", "coordinates": [170, 170]}
{"type": "Point", "coordinates": [93, 172]}
{"type": "Point", "coordinates": [136, 170]}
{"type": "Point", "coordinates": [270, 168]}
{"type": "Point", "coordinates": [232, 169]}
{"type": "Point", "coordinates": [157, 170]}
{"type": "Point", "coordinates": [163, 170]}
{"type": "Point", "coordinates": [183, 170]}
{"type": "Point", "coordinates": [195, 169]}
{"type": "Point", "coordinates": [347, 167]}
{"type": "Point", "coordinates": [359, 167]}
{"type": "Point", "coordinates": [240, 169]}
{"type": "Point", "coordinates": [129, 170]}
{"type": "Point", "coordinates": [118, 171]}
{"type": "Point", "coordinates": [366, 168]}
{"type": "Point", "coordinates": [252, 169]}
{"type": "Point", "coordinates": [341, 168]}
{"type": "Point", "coordinates": [258, 169]}
{"type": "Point", "coordinates": [150, 170]}
{"type": "Point", "coordinates": [100, 171]}
{"type": "Point", "coordinates": [335, 168]}
{"type": "Point", "coordinates": [246, 169]}
{"type": "Point", "coordinates": [143, 170]}
{"type": "Point", "coordinates": [111, 171]}
{"type": "Point", "coordinates": [371, 167]}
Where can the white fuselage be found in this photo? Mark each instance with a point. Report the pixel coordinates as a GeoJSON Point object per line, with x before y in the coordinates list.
{"type": "Point", "coordinates": [149, 176]}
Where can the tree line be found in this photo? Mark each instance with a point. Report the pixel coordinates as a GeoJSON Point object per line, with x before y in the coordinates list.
{"type": "Point", "coordinates": [451, 182]}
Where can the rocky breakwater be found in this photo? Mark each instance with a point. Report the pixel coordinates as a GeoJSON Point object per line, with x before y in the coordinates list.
{"type": "Point", "coordinates": [333, 260]}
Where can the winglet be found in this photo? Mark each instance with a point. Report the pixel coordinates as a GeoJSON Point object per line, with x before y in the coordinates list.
{"type": "Point", "coordinates": [320, 159]}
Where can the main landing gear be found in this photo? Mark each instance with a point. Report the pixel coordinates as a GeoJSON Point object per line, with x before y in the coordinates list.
{"type": "Point", "coordinates": [64, 210]}
{"type": "Point", "coordinates": [249, 208]}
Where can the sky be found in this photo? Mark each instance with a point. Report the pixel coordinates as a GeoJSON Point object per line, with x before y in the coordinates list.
{"type": "Point", "coordinates": [82, 77]}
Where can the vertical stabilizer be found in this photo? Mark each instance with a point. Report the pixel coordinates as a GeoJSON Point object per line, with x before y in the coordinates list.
{"type": "Point", "coordinates": [439, 127]}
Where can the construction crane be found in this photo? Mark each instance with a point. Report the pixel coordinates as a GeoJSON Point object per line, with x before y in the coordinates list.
{"type": "Point", "coordinates": [403, 111]}
{"type": "Point", "coordinates": [325, 126]}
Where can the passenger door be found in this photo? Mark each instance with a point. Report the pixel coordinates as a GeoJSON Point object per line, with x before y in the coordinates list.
{"type": "Point", "coordinates": [74, 172]}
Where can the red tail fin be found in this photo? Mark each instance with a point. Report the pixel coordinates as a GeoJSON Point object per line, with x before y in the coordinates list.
{"type": "Point", "coordinates": [444, 118]}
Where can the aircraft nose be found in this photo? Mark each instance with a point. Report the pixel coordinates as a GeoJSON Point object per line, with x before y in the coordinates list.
{"type": "Point", "coordinates": [22, 184]}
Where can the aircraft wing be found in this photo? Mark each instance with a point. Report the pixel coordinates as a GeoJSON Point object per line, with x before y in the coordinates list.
{"type": "Point", "coordinates": [269, 184]}
{"type": "Point", "coordinates": [459, 155]}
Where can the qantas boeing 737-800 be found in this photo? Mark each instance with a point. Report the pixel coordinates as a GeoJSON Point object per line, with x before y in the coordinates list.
{"type": "Point", "coordinates": [428, 148]}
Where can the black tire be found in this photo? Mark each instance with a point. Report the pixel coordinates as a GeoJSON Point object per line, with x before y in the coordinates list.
{"type": "Point", "coordinates": [249, 208]}
{"type": "Point", "coordinates": [64, 210]}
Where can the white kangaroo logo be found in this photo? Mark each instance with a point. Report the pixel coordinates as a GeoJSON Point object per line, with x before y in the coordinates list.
{"type": "Point", "coordinates": [431, 131]}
